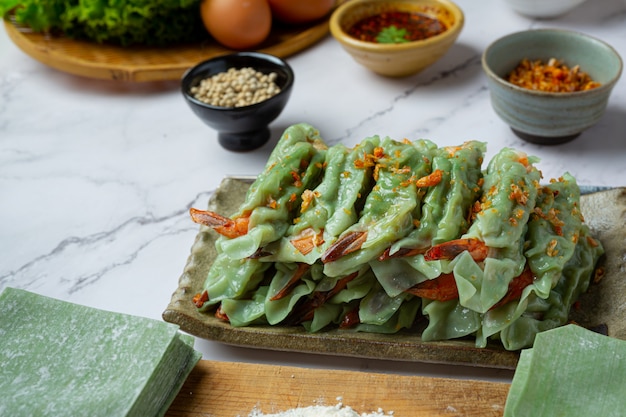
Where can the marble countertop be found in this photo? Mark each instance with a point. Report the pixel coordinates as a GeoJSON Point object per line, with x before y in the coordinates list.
{"type": "Point", "coordinates": [97, 177]}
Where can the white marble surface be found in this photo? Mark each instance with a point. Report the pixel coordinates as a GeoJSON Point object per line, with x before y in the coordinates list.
{"type": "Point", "coordinates": [96, 177]}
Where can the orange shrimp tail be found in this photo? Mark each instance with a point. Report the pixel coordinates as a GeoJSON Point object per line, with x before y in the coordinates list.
{"type": "Point", "coordinates": [516, 286]}
{"type": "Point", "coordinates": [225, 226]}
{"type": "Point", "coordinates": [297, 275]}
{"type": "Point", "coordinates": [401, 253]}
{"type": "Point", "coordinates": [346, 244]}
{"type": "Point", "coordinates": [200, 298]}
{"type": "Point", "coordinates": [306, 311]}
{"type": "Point", "coordinates": [442, 288]}
{"type": "Point", "coordinates": [307, 240]}
{"type": "Point", "coordinates": [449, 250]}
{"type": "Point", "coordinates": [220, 314]}
{"type": "Point", "coordinates": [350, 319]}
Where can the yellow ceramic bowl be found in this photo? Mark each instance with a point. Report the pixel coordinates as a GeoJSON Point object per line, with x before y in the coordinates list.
{"type": "Point", "coordinates": [397, 59]}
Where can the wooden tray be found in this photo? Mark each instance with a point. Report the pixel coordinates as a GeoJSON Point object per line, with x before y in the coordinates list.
{"type": "Point", "coordinates": [229, 389]}
{"type": "Point", "coordinates": [138, 63]}
{"type": "Point", "coordinates": [605, 213]}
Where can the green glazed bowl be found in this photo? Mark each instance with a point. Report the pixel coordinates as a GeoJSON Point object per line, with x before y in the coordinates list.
{"type": "Point", "coordinates": [543, 117]}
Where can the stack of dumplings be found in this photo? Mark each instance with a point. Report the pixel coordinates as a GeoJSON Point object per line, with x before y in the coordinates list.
{"type": "Point", "coordinates": [379, 237]}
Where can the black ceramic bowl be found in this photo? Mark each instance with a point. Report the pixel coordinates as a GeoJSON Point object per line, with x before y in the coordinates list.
{"type": "Point", "coordinates": [240, 128]}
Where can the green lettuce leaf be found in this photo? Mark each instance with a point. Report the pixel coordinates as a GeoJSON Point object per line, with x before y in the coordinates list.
{"type": "Point", "coordinates": [124, 22]}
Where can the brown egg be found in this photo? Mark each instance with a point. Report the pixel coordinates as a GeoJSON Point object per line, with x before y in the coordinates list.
{"type": "Point", "coordinates": [237, 24]}
{"type": "Point", "coordinates": [300, 11]}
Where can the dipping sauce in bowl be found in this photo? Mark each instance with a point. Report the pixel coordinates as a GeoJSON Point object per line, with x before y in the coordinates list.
{"type": "Point", "coordinates": [396, 38]}
{"type": "Point", "coordinates": [396, 27]}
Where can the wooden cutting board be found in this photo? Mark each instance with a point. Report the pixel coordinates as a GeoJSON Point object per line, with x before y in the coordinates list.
{"type": "Point", "coordinates": [226, 389]}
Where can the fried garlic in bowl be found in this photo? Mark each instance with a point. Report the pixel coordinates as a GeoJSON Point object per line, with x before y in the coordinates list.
{"type": "Point", "coordinates": [539, 110]}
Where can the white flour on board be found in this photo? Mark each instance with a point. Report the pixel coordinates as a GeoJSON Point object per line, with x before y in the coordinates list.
{"type": "Point", "coordinates": [338, 410]}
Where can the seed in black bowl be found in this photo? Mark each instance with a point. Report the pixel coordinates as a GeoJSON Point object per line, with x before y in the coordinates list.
{"type": "Point", "coordinates": [236, 87]}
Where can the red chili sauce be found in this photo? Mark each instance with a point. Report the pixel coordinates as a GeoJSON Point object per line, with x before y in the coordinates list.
{"type": "Point", "coordinates": [418, 26]}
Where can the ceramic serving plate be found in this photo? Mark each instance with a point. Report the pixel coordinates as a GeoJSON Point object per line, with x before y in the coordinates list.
{"type": "Point", "coordinates": [603, 305]}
